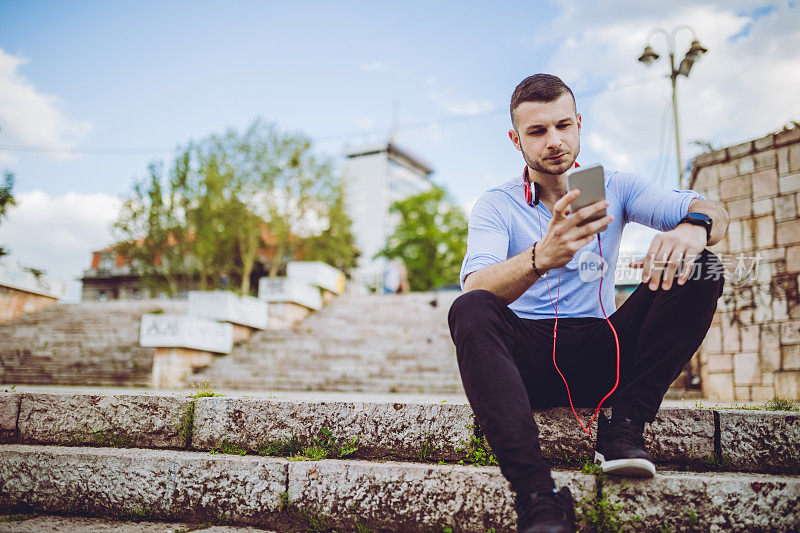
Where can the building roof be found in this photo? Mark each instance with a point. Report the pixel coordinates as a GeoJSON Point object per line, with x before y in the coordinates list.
{"type": "Point", "coordinates": [393, 150]}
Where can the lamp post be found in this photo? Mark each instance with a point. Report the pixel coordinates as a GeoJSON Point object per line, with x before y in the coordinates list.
{"type": "Point", "coordinates": [648, 57]}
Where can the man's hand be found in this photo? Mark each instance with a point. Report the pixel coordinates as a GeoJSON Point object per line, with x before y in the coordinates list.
{"type": "Point", "coordinates": [564, 237]}
{"type": "Point", "coordinates": [670, 251]}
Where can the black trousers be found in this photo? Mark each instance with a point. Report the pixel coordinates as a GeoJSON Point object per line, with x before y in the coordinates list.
{"type": "Point", "coordinates": [507, 367]}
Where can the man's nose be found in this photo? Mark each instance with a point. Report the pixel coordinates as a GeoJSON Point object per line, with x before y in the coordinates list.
{"type": "Point", "coordinates": [553, 138]}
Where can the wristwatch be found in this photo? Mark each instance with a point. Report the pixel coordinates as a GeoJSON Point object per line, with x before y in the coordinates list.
{"type": "Point", "coordinates": [699, 219]}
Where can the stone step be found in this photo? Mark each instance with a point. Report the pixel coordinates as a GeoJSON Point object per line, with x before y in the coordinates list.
{"type": "Point", "coordinates": [351, 494]}
{"type": "Point", "coordinates": [40, 523]}
{"type": "Point", "coordinates": [679, 438]}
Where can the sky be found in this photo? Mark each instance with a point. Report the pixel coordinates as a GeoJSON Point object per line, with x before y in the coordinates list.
{"type": "Point", "coordinates": [91, 92]}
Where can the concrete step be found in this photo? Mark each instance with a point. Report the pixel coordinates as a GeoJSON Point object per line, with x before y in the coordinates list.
{"type": "Point", "coordinates": [352, 494]}
{"type": "Point", "coordinates": [50, 523]}
{"type": "Point", "coordinates": [680, 438]}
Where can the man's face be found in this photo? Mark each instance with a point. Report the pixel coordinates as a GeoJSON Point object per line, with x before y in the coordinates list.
{"type": "Point", "coordinates": [548, 134]}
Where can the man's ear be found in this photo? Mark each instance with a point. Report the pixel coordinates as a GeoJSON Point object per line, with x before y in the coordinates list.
{"type": "Point", "coordinates": [579, 123]}
{"type": "Point", "coordinates": [514, 136]}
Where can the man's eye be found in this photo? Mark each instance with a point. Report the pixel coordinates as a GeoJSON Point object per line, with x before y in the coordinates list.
{"type": "Point", "coordinates": [536, 132]}
{"type": "Point", "coordinates": [564, 126]}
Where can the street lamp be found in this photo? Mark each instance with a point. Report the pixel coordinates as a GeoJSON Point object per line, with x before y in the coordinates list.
{"type": "Point", "coordinates": [649, 56]}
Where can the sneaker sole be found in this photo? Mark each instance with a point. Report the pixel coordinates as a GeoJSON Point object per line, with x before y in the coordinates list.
{"type": "Point", "coordinates": [625, 467]}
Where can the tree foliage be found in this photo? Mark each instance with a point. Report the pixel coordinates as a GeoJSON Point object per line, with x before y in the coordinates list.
{"type": "Point", "coordinates": [234, 206]}
{"type": "Point", "coordinates": [430, 238]}
{"type": "Point", "coordinates": [6, 200]}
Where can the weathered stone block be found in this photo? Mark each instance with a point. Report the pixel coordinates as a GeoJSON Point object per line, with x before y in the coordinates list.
{"type": "Point", "coordinates": [707, 178]}
{"type": "Point", "coordinates": [794, 157]}
{"type": "Point", "coordinates": [782, 138]}
{"type": "Point", "coordinates": [713, 341]}
{"type": "Point", "coordinates": [735, 187]}
{"type": "Point", "coordinates": [762, 393]}
{"type": "Point", "coordinates": [746, 369]}
{"type": "Point", "coordinates": [318, 274]}
{"type": "Point", "coordinates": [790, 332]}
{"type": "Point", "coordinates": [184, 331]}
{"type": "Point", "coordinates": [282, 290]}
{"type": "Point", "coordinates": [412, 497]}
{"type": "Point", "coordinates": [740, 150]}
{"type": "Point", "coordinates": [764, 232]}
{"type": "Point", "coordinates": [709, 158]}
{"type": "Point", "coordinates": [766, 160]}
{"type": "Point", "coordinates": [714, 501]}
{"type": "Point", "coordinates": [764, 142]}
{"type": "Point", "coordinates": [741, 208]}
{"type": "Point", "coordinates": [760, 207]}
{"type": "Point", "coordinates": [128, 420]}
{"type": "Point", "coordinates": [719, 387]}
{"type": "Point", "coordinates": [783, 160]}
{"type": "Point", "coordinates": [742, 392]}
{"type": "Point", "coordinates": [163, 484]}
{"type": "Point", "coordinates": [382, 429]}
{"type": "Point", "coordinates": [720, 362]}
{"type": "Point", "coordinates": [230, 307]}
{"type": "Point", "coordinates": [788, 232]}
{"type": "Point", "coordinates": [285, 315]}
{"type": "Point", "coordinates": [734, 236]}
{"type": "Point", "coordinates": [171, 366]}
{"type": "Point", "coordinates": [785, 208]}
{"type": "Point", "coordinates": [9, 411]}
{"type": "Point", "coordinates": [746, 165]}
{"type": "Point", "coordinates": [789, 184]}
{"type": "Point", "coordinates": [730, 334]}
{"type": "Point", "coordinates": [791, 357]}
{"type": "Point", "coordinates": [761, 441]}
{"type": "Point", "coordinates": [765, 183]}
{"type": "Point", "coordinates": [787, 384]}
{"type": "Point", "coordinates": [680, 435]}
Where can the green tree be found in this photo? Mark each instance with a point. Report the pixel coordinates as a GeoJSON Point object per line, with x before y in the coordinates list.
{"type": "Point", "coordinates": [153, 234]}
{"type": "Point", "coordinates": [430, 238]}
{"type": "Point", "coordinates": [335, 245]}
{"type": "Point", "coordinates": [6, 200]}
{"type": "Point", "coordinates": [232, 196]}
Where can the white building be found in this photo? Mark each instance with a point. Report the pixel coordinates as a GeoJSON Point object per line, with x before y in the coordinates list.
{"type": "Point", "coordinates": [375, 177]}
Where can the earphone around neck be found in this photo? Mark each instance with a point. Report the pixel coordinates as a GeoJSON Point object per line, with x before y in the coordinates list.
{"type": "Point", "coordinates": [532, 199]}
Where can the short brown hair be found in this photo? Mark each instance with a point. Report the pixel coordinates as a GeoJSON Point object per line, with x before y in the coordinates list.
{"type": "Point", "coordinates": [539, 88]}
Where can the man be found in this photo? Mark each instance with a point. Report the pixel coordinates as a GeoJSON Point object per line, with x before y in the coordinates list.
{"type": "Point", "coordinates": [523, 263]}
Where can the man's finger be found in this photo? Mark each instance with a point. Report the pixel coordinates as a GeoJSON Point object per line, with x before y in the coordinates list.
{"type": "Point", "coordinates": [561, 207]}
{"type": "Point", "coordinates": [597, 226]}
{"type": "Point", "coordinates": [688, 263]}
{"type": "Point", "coordinates": [587, 211]}
{"type": "Point", "coordinates": [649, 258]}
{"type": "Point", "coordinates": [657, 268]}
{"type": "Point", "coordinates": [636, 264]}
{"type": "Point", "coordinates": [673, 263]}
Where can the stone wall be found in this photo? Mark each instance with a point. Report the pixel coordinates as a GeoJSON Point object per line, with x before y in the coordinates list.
{"type": "Point", "coordinates": [15, 302]}
{"type": "Point", "coordinates": [752, 351]}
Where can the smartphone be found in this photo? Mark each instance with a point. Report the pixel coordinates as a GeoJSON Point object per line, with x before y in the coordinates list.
{"type": "Point", "coordinates": [591, 182]}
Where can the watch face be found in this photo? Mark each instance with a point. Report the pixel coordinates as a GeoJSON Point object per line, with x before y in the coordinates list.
{"type": "Point", "coordinates": [698, 216]}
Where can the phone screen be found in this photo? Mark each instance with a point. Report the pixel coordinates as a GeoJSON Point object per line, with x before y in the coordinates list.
{"type": "Point", "coordinates": [591, 182]}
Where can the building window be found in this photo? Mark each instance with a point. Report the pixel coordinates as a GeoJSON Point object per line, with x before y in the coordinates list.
{"type": "Point", "coordinates": [106, 261]}
{"type": "Point", "coordinates": [102, 296]}
{"type": "Point", "coordinates": [136, 293]}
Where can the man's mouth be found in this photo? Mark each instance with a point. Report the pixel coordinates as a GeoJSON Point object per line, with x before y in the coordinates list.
{"type": "Point", "coordinates": [559, 156]}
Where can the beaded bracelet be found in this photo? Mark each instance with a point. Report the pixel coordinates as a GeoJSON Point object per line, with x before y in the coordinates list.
{"type": "Point", "coordinates": [533, 259]}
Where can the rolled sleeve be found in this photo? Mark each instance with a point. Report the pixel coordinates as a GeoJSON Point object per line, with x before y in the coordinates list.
{"type": "Point", "coordinates": [650, 205]}
{"type": "Point", "coordinates": [487, 237]}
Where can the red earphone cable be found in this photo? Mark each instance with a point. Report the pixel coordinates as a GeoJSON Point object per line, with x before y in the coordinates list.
{"type": "Point", "coordinates": [555, 333]}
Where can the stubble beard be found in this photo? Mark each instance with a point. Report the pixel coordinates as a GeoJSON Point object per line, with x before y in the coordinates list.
{"type": "Point", "coordinates": [552, 169]}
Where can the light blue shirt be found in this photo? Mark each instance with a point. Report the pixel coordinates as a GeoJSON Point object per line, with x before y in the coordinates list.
{"type": "Point", "coordinates": [502, 225]}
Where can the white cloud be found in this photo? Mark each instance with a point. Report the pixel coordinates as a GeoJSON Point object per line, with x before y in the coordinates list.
{"type": "Point", "coordinates": [374, 66]}
{"type": "Point", "coordinates": [29, 117]}
{"type": "Point", "coordinates": [446, 98]}
{"type": "Point", "coordinates": [57, 233]}
{"type": "Point", "coordinates": [744, 87]}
